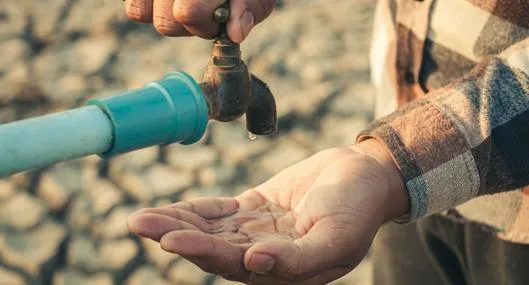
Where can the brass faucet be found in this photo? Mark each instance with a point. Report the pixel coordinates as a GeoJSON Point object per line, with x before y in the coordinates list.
{"type": "Point", "coordinates": [231, 90]}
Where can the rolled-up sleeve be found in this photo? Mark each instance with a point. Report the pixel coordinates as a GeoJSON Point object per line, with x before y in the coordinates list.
{"type": "Point", "coordinates": [467, 139]}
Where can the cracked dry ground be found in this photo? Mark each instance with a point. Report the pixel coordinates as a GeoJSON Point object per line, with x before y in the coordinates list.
{"type": "Point", "coordinates": [67, 224]}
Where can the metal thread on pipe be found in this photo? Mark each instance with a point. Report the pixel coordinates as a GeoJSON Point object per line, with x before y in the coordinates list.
{"type": "Point", "coordinates": [42, 141]}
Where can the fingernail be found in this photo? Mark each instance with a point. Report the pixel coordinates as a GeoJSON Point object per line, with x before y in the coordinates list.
{"type": "Point", "coordinates": [247, 22]}
{"type": "Point", "coordinates": [261, 263]}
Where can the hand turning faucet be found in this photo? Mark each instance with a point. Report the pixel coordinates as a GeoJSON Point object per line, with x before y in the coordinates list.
{"type": "Point", "coordinates": [174, 109]}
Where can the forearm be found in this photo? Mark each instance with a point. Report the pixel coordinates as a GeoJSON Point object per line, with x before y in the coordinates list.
{"type": "Point", "coordinates": [467, 139]}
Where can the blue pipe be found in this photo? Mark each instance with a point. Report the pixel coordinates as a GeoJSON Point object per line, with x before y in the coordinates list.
{"type": "Point", "coordinates": [171, 110]}
{"type": "Point", "coordinates": [39, 142]}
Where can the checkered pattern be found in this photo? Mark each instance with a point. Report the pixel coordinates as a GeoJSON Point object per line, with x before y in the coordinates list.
{"type": "Point", "coordinates": [465, 66]}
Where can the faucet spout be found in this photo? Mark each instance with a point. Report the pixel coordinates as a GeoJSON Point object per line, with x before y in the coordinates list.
{"type": "Point", "coordinates": [261, 116]}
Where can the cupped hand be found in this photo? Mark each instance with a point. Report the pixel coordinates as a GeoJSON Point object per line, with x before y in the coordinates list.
{"type": "Point", "coordinates": [310, 224]}
{"type": "Point", "coordinates": [179, 18]}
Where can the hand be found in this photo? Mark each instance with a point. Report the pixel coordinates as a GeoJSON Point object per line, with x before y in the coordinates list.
{"type": "Point", "coordinates": [178, 18]}
{"type": "Point", "coordinates": [310, 224]}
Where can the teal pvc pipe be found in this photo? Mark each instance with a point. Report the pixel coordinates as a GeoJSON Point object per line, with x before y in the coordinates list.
{"type": "Point", "coordinates": [170, 110]}
{"type": "Point", "coordinates": [42, 141]}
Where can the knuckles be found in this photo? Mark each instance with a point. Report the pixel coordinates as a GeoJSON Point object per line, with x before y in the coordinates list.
{"type": "Point", "coordinates": [188, 13]}
{"type": "Point", "coordinates": [192, 15]}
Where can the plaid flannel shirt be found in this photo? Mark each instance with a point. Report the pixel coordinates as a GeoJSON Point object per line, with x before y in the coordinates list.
{"type": "Point", "coordinates": [464, 66]}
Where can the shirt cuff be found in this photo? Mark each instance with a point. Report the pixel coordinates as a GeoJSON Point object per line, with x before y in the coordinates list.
{"type": "Point", "coordinates": [433, 156]}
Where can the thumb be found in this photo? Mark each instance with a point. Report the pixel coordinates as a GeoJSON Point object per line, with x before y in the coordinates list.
{"type": "Point", "coordinates": [306, 257]}
{"type": "Point", "coordinates": [245, 14]}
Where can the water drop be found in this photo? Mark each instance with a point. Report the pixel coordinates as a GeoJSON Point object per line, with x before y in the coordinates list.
{"type": "Point", "coordinates": [252, 136]}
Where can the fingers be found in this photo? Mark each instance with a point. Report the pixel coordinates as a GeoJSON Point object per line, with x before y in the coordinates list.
{"type": "Point", "coordinates": [245, 14]}
{"type": "Point", "coordinates": [211, 253]}
{"type": "Point", "coordinates": [153, 223]}
{"type": "Point", "coordinates": [250, 200]}
{"type": "Point", "coordinates": [154, 226]}
{"type": "Point", "coordinates": [197, 16]}
{"type": "Point", "coordinates": [233, 270]}
{"type": "Point", "coordinates": [199, 244]}
{"type": "Point", "coordinates": [182, 215]}
{"type": "Point", "coordinates": [209, 208]}
{"type": "Point", "coordinates": [163, 19]}
{"type": "Point", "coordinates": [308, 256]}
{"type": "Point", "coordinates": [139, 10]}
{"type": "Point", "coordinates": [158, 12]}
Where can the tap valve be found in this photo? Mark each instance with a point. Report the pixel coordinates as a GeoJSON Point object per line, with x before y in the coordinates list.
{"type": "Point", "coordinates": [231, 90]}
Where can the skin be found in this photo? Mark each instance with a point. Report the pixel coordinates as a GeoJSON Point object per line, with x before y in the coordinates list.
{"type": "Point", "coordinates": [180, 18]}
{"type": "Point", "coordinates": [310, 224]}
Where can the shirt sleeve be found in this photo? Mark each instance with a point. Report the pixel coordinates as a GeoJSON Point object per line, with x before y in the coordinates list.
{"type": "Point", "coordinates": [467, 139]}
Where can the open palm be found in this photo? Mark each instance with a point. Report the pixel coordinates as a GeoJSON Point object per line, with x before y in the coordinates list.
{"type": "Point", "coordinates": [310, 224]}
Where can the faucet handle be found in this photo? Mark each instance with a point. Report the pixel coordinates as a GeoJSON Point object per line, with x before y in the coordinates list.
{"type": "Point", "coordinates": [226, 53]}
{"type": "Point", "coordinates": [221, 16]}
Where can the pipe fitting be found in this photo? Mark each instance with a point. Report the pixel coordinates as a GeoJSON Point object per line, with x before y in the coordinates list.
{"type": "Point", "coordinates": [170, 110]}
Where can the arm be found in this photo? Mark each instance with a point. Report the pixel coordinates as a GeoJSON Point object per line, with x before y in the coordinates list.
{"type": "Point", "coordinates": [470, 138]}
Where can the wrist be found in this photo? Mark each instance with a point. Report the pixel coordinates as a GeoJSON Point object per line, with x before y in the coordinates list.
{"type": "Point", "coordinates": [396, 199]}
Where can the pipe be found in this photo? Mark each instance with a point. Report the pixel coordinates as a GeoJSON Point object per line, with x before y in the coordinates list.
{"type": "Point", "coordinates": [42, 141]}
{"type": "Point", "coordinates": [170, 110]}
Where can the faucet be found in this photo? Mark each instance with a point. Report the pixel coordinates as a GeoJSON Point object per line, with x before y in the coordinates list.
{"type": "Point", "coordinates": [231, 90]}
{"type": "Point", "coordinates": [174, 109]}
